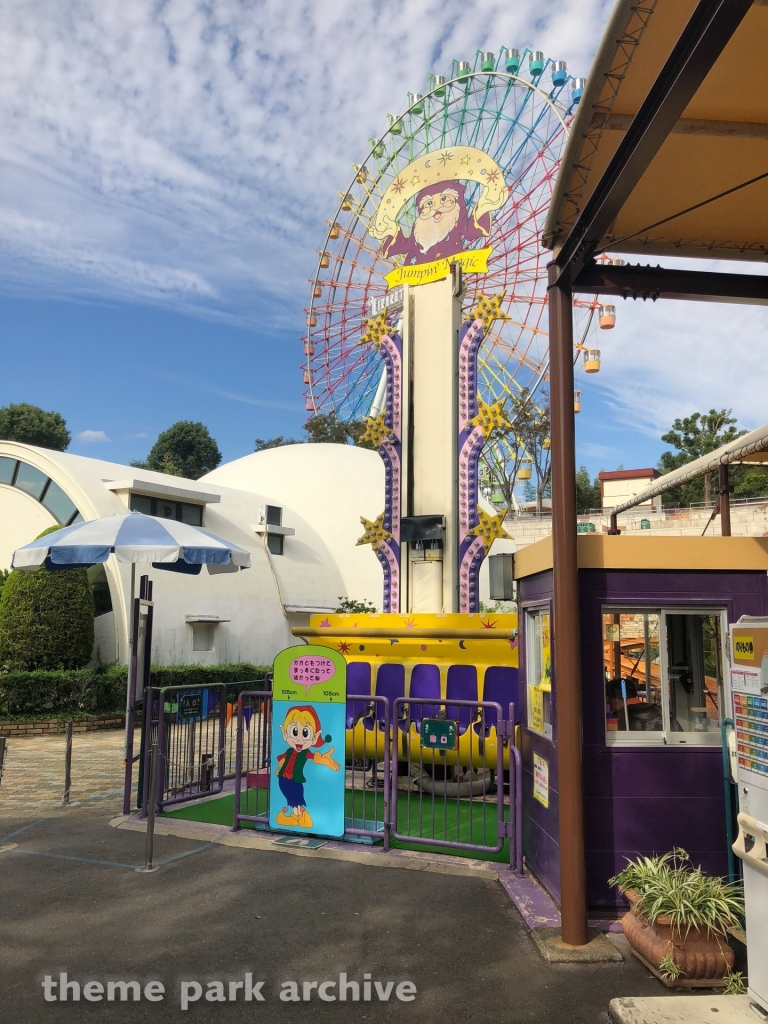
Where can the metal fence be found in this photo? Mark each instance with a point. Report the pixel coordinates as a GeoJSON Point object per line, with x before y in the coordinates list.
{"type": "Point", "coordinates": [399, 787]}
{"type": "Point", "coordinates": [253, 753]}
{"type": "Point", "coordinates": [449, 766]}
{"type": "Point", "coordinates": [184, 741]}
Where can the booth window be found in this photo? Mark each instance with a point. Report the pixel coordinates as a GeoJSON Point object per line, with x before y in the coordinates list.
{"type": "Point", "coordinates": [166, 508]}
{"type": "Point", "coordinates": [539, 671]}
{"type": "Point", "coordinates": [663, 676]}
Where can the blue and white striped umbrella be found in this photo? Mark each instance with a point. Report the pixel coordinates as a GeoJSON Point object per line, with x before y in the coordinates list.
{"type": "Point", "coordinates": [165, 543]}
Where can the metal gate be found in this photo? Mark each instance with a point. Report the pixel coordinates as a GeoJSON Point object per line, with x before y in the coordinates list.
{"type": "Point", "coordinates": [398, 787]}
{"type": "Point", "coordinates": [190, 726]}
{"type": "Point", "coordinates": [367, 779]}
{"type": "Point", "coordinates": [449, 777]}
{"type": "Point", "coordinates": [253, 753]}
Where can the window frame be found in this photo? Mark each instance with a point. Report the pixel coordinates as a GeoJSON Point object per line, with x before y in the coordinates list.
{"type": "Point", "coordinates": [75, 516]}
{"type": "Point", "coordinates": [529, 612]}
{"type": "Point", "coordinates": [666, 737]}
{"type": "Point", "coordinates": [169, 501]}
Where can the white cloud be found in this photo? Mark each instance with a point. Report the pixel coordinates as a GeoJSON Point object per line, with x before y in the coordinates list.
{"type": "Point", "coordinates": [89, 436]}
{"type": "Point", "coordinates": [137, 435]}
{"type": "Point", "coordinates": [188, 154]}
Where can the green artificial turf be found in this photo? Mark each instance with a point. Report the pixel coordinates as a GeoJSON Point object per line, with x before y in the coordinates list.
{"type": "Point", "coordinates": [358, 804]}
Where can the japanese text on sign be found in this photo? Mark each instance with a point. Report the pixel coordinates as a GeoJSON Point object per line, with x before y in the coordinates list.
{"type": "Point", "coordinates": [307, 671]}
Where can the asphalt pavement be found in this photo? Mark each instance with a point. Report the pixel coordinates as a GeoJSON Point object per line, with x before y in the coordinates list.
{"type": "Point", "coordinates": [426, 947]}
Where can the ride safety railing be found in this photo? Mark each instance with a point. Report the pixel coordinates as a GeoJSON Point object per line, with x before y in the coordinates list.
{"type": "Point", "coordinates": [424, 773]}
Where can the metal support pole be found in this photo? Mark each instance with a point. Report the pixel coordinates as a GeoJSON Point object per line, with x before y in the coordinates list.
{"type": "Point", "coordinates": [238, 762]}
{"type": "Point", "coordinates": [68, 763]}
{"type": "Point", "coordinates": [130, 698]}
{"type": "Point", "coordinates": [725, 501]}
{"type": "Point", "coordinates": [566, 641]}
{"type": "Point", "coordinates": [151, 803]}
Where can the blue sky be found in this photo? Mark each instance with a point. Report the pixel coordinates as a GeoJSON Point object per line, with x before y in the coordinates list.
{"type": "Point", "coordinates": [166, 171]}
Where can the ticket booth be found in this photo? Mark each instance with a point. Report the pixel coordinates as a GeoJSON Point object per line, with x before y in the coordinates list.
{"type": "Point", "coordinates": [654, 617]}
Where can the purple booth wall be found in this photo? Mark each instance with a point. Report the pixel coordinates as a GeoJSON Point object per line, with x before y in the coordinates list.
{"type": "Point", "coordinates": [641, 800]}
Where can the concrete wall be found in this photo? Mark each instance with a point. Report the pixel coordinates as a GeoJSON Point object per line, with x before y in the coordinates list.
{"type": "Point", "coordinates": [259, 606]}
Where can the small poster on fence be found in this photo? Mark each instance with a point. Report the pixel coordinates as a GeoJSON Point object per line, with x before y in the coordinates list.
{"type": "Point", "coordinates": [306, 792]}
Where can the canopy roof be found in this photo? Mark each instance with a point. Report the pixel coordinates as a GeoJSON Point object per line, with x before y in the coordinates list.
{"type": "Point", "coordinates": [718, 138]}
{"type": "Point", "coordinates": [745, 450]}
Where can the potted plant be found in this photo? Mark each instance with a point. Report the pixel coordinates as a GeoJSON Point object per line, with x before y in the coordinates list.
{"type": "Point", "coordinates": [679, 919]}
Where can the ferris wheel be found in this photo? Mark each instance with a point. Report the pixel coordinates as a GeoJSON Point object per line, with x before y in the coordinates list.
{"type": "Point", "coordinates": [516, 108]}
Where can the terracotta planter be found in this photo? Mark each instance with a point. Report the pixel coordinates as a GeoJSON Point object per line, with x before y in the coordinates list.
{"type": "Point", "coordinates": [701, 955]}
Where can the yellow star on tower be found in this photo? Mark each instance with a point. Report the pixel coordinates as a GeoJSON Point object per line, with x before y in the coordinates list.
{"type": "Point", "coordinates": [375, 430]}
{"type": "Point", "coordinates": [374, 531]}
{"type": "Point", "coordinates": [489, 528]}
{"type": "Point", "coordinates": [490, 417]}
{"type": "Point", "coordinates": [375, 329]}
{"type": "Point", "coordinates": [489, 309]}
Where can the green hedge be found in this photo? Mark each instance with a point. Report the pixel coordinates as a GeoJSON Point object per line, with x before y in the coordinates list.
{"type": "Point", "coordinates": [81, 692]}
{"type": "Point", "coordinates": [46, 620]}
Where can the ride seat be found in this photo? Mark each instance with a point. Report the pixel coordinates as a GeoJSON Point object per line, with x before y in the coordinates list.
{"type": "Point", "coordinates": [462, 685]}
{"type": "Point", "coordinates": [501, 686]}
{"type": "Point", "coordinates": [425, 682]}
{"type": "Point", "coordinates": [358, 685]}
{"type": "Point", "coordinates": [390, 683]}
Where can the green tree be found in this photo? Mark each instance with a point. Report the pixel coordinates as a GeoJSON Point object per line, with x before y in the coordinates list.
{"type": "Point", "coordinates": [327, 428]}
{"type": "Point", "coordinates": [32, 425]}
{"type": "Point", "coordinates": [261, 445]}
{"type": "Point", "coordinates": [695, 436]}
{"type": "Point", "coordinates": [349, 606]}
{"type": "Point", "coordinates": [185, 449]}
{"type": "Point", "coordinates": [524, 443]}
{"type": "Point", "coordinates": [588, 495]}
{"type": "Point", "coordinates": [322, 428]}
{"type": "Point", "coordinates": [46, 619]}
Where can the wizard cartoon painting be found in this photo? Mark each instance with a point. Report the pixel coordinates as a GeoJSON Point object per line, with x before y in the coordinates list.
{"type": "Point", "coordinates": [424, 215]}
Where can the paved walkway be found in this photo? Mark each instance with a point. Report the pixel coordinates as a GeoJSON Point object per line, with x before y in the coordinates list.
{"type": "Point", "coordinates": [71, 901]}
{"type": "Point", "coordinates": [33, 779]}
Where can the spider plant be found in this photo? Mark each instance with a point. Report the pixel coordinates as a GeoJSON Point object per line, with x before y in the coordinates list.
{"type": "Point", "coordinates": [735, 985]}
{"type": "Point", "coordinates": [641, 872]}
{"type": "Point", "coordinates": [668, 969]}
{"type": "Point", "coordinates": [671, 887]}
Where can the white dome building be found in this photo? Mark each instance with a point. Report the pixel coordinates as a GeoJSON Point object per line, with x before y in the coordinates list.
{"type": "Point", "coordinates": [296, 509]}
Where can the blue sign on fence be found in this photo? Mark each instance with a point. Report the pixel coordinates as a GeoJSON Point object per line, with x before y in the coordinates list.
{"type": "Point", "coordinates": [308, 736]}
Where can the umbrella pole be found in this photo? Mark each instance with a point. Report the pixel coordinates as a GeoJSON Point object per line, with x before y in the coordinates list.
{"type": "Point", "coordinates": [130, 699]}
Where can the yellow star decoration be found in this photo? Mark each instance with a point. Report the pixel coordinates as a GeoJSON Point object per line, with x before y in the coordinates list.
{"type": "Point", "coordinates": [375, 329]}
{"type": "Point", "coordinates": [489, 528]}
{"type": "Point", "coordinates": [375, 430]}
{"type": "Point", "coordinates": [415, 179]}
{"type": "Point", "coordinates": [374, 531]}
{"type": "Point", "coordinates": [490, 417]}
{"type": "Point", "coordinates": [489, 309]}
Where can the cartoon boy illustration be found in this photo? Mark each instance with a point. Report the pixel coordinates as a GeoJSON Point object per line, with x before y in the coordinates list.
{"type": "Point", "coordinates": [301, 730]}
